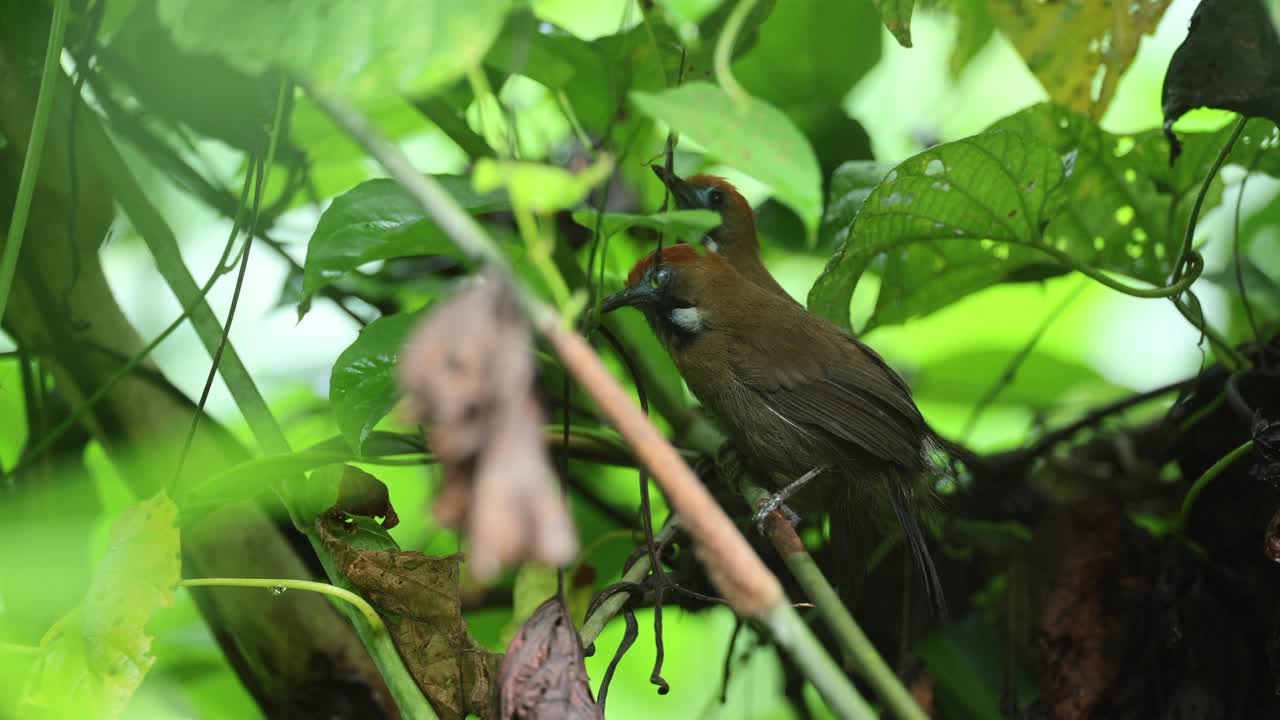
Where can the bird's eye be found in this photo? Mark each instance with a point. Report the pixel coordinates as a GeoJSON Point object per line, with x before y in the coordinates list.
{"type": "Point", "coordinates": [715, 198]}
{"type": "Point", "coordinates": [660, 277]}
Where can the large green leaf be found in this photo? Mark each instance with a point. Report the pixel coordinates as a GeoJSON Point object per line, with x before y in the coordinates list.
{"type": "Point", "coordinates": [681, 223]}
{"type": "Point", "coordinates": [1043, 380]}
{"type": "Point", "coordinates": [96, 657]}
{"type": "Point", "coordinates": [1123, 209]}
{"type": "Point", "coordinates": [949, 221]}
{"type": "Point", "coordinates": [377, 220]}
{"type": "Point", "coordinates": [842, 43]}
{"type": "Point", "coordinates": [371, 47]}
{"type": "Point", "coordinates": [362, 387]}
{"type": "Point", "coordinates": [750, 135]}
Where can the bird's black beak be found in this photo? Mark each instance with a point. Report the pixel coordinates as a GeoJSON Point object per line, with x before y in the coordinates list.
{"type": "Point", "coordinates": [685, 194]}
{"type": "Point", "coordinates": [640, 294]}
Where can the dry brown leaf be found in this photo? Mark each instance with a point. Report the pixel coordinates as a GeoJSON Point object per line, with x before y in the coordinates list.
{"type": "Point", "coordinates": [543, 675]}
{"type": "Point", "coordinates": [1073, 45]}
{"type": "Point", "coordinates": [419, 599]}
{"type": "Point", "coordinates": [468, 374]}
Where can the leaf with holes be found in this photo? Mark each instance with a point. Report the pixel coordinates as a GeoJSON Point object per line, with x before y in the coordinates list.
{"type": "Point", "coordinates": [377, 220]}
{"type": "Point", "coordinates": [95, 658]}
{"type": "Point", "coordinates": [896, 15]}
{"type": "Point", "coordinates": [362, 387]}
{"type": "Point", "coordinates": [950, 221]}
{"type": "Point", "coordinates": [1079, 48]}
{"type": "Point", "coordinates": [1128, 207]}
{"type": "Point", "coordinates": [366, 48]}
{"type": "Point", "coordinates": [752, 136]}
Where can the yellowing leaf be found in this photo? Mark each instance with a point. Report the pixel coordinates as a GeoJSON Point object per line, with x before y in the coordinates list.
{"type": "Point", "coordinates": [1073, 45]}
{"type": "Point", "coordinates": [96, 657]}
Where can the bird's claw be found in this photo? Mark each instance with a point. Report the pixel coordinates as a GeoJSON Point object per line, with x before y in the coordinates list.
{"type": "Point", "coordinates": [775, 503]}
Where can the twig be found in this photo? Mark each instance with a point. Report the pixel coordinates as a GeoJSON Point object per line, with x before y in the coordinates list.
{"type": "Point", "coordinates": [857, 649]}
{"type": "Point", "coordinates": [723, 57]}
{"type": "Point", "coordinates": [1239, 262]}
{"type": "Point", "coordinates": [602, 614]}
{"type": "Point", "coordinates": [277, 586]}
{"type": "Point", "coordinates": [35, 152]}
{"type": "Point", "coordinates": [1188, 237]}
{"type": "Point", "coordinates": [1189, 500]}
{"type": "Point", "coordinates": [1011, 370]}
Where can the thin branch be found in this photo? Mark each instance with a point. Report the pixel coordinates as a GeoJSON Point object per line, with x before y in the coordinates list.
{"type": "Point", "coordinates": [1189, 500]}
{"type": "Point", "coordinates": [723, 57]}
{"type": "Point", "coordinates": [857, 649]}
{"type": "Point", "coordinates": [278, 586]}
{"type": "Point", "coordinates": [1011, 370]}
{"type": "Point", "coordinates": [35, 152]}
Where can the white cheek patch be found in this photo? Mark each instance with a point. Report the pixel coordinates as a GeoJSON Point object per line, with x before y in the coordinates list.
{"type": "Point", "coordinates": [687, 319]}
{"type": "Point", "coordinates": [710, 244]}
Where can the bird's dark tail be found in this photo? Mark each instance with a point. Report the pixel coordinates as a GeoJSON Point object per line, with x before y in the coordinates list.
{"type": "Point", "coordinates": [915, 541]}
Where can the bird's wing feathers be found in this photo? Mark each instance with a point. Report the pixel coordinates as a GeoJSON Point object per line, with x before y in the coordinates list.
{"type": "Point", "coordinates": [847, 395]}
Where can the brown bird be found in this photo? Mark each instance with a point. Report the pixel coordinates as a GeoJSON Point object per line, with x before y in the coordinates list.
{"type": "Point", "coordinates": [735, 239]}
{"type": "Point", "coordinates": [798, 396]}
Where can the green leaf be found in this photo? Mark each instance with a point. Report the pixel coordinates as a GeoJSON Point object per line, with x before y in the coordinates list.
{"type": "Point", "coordinates": [682, 223]}
{"type": "Point", "coordinates": [967, 669]}
{"type": "Point", "coordinates": [95, 658]}
{"type": "Point", "coordinates": [1228, 60]}
{"type": "Point", "coordinates": [752, 136]}
{"type": "Point", "coordinates": [1043, 381]}
{"type": "Point", "coordinates": [310, 496]}
{"type": "Point", "coordinates": [949, 221]}
{"type": "Point", "coordinates": [522, 49]}
{"type": "Point", "coordinates": [897, 17]}
{"type": "Point", "coordinates": [851, 185]}
{"type": "Point", "coordinates": [377, 220]}
{"type": "Point", "coordinates": [842, 43]}
{"type": "Point", "coordinates": [973, 30]}
{"type": "Point", "coordinates": [537, 187]}
{"type": "Point", "coordinates": [375, 47]}
{"type": "Point", "coordinates": [362, 387]}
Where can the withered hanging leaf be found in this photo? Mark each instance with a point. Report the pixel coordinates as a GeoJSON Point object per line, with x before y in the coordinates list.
{"type": "Point", "coordinates": [1073, 45]}
{"type": "Point", "coordinates": [363, 494]}
{"type": "Point", "coordinates": [543, 675]}
{"type": "Point", "coordinates": [418, 597]}
{"type": "Point", "coordinates": [1230, 60]}
{"type": "Point", "coordinates": [468, 373]}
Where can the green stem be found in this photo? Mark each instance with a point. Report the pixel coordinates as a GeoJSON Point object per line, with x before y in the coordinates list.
{"type": "Point", "coordinates": [639, 570]}
{"type": "Point", "coordinates": [1188, 238]}
{"type": "Point", "coordinates": [8, 648]}
{"type": "Point", "coordinates": [1194, 263]}
{"type": "Point", "coordinates": [278, 585]}
{"type": "Point", "coordinates": [35, 151]}
{"type": "Point", "coordinates": [1189, 501]}
{"type": "Point", "coordinates": [791, 633]}
{"type": "Point", "coordinates": [1227, 355]}
{"type": "Point", "coordinates": [857, 649]}
{"type": "Point", "coordinates": [724, 51]}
